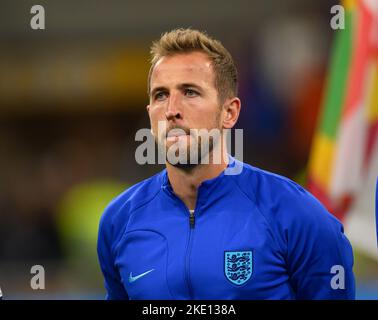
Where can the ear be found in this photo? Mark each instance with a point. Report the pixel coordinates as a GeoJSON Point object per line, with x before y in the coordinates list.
{"type": "Point", "coordinates": [148, 108]}
{"type": "Point", "coordinates": [231, 111]}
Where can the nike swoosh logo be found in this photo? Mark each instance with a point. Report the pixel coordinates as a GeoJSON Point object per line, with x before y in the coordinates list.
{"type": "Point", "coordinates": [132, 279]}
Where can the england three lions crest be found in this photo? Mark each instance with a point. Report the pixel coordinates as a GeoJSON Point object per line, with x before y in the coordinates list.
{"type": "Point", "coordinates": [238, 266]}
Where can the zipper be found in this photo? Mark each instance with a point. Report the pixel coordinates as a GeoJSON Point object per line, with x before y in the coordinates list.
{"type": "Point", "coordinates": [189, 243]}
{"type": "Point", "coordinates": [191, 219]}
{"type": "Point", "coordinates": [188, 252]}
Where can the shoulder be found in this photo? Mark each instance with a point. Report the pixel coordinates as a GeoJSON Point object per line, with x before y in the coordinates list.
{"type": "Point", "coordinates": [282, 200]}
{"type": "Point", "coordinates": [297, 219]}
{"type": "Point", "coordinates": [117, 212]}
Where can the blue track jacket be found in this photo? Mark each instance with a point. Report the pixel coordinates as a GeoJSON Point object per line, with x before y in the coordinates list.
{"type": "Point", "coordinates": [254, 235]}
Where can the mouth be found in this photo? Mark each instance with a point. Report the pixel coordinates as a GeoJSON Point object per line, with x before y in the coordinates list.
{"type": "Point", "coordinates": [176, 134]}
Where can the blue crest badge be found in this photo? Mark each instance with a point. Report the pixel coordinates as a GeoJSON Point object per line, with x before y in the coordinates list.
{"type": "Point", "coordinates": [238, 266]}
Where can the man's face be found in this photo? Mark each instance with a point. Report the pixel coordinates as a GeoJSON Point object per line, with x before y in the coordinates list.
{"type": "Point", "coordinates": [183, 96]}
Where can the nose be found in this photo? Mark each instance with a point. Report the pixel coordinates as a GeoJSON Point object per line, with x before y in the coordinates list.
{"type": "Point", "coordinates": [173, 112]}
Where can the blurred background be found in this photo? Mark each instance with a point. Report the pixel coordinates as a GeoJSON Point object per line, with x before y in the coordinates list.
{"type": "Point", "coordinates": [72, 97]}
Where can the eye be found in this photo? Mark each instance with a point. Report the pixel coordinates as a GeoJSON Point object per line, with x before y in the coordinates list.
{"type": "Point", "coordinates": [160, 95]}
{"type": "Point", "coordinates": [191, 93]}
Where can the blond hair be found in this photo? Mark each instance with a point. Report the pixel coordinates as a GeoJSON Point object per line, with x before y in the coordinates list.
{"type": "Point", "coordinates": [180, 41]}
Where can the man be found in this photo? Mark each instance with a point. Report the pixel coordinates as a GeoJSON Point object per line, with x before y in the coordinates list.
{"type": "Point", "coordinates": [197, 231]}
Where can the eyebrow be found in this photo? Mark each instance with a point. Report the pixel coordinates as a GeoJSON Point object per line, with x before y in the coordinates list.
{"type": "Point", "coordinates": [180, 86]}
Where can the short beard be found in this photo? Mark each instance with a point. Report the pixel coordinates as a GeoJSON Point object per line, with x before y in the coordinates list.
{"type": "Point", "coordinates": [187, 165]}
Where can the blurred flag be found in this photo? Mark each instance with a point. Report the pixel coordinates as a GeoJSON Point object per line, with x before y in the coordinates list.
{"type": "Point", "coordinates": [376, 210]}
{"type": "Point", "coordinates": [344, 159]}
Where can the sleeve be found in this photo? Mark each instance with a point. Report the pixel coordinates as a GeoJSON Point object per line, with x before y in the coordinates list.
{"type": "Point", "coordinates": [112, 280]}
{"type": "Point", "coordinates": [319, 256]}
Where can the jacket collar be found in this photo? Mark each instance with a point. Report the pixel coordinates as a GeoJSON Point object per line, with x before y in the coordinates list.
{"type": "Point", "coordinates": [206, 191]}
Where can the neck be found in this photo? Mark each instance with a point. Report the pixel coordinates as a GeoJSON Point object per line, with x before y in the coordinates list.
{"type": "Point", "coordinates": [185, 183]}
